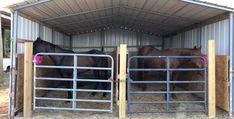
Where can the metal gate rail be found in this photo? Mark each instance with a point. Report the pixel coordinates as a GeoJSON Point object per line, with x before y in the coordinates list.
{"type": "Point", "coordinates": [168, 102]}
{"type": "Point", "coordinates": [75, 89]}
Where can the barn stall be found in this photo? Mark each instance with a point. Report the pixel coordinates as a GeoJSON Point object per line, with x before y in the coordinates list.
{"type": "Point", "coordinates": [103, 25]}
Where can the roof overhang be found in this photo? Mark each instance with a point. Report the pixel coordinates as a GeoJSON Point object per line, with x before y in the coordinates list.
{"type": "Point", "coordinates": [5, 19]}
{"type": "Point", "coordinates": [158, 17]}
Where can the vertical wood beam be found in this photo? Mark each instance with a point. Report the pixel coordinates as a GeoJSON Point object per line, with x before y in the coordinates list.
{"type": "Point", "coordinates": [28, 48]}
{"type": "Point", "coordinates": [122, 79]}
{"type": "Point", "coordinates": [211, 79]}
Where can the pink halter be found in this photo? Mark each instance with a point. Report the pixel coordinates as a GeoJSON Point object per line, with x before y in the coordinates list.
{"type": "Point", "coordinates": [38, 59]}
{"type": "Point", "coordinates": [205, 57]}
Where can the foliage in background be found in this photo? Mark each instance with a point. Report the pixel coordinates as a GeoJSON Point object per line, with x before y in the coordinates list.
{"type": "Point", "coordinates": [7, 35]}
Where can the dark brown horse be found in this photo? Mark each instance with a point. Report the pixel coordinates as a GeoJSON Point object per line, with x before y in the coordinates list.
{"type": "Point", "coordinates": [161, 62]}
{"type": "Point", "coordinates": [87, 61]}
{"type": "Point", "coordinates": [144, 51]}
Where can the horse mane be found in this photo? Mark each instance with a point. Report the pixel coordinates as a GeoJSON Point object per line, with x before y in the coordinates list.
{"type": "Point", "coordinates": [93, 51]}
{"type": "Point", "coordinates": [56, 46]}
{"type": "Point", "coordinates": [151, 47]}
{"type": "Point", "coordinates": [182, 51]}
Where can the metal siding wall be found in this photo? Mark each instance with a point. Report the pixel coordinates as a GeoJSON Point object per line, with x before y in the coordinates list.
{"type": "Point", "coordinates": [113, 37]}
{"type": "Point", "coordinates": [86, 40]}
{"type": "Point", "coordinates": [167, 43]}
{"type": "Point", "coordinates": [176, 41]}
{"type": "Point", "coordinates": [47, 34]}
{"type": "Point", "coordinates": [218, 31]}
{"type": "Point", "coordinates": [28, 30]}
{"type": "Point", "coordinates": [191, 39]}
{"type": "Point", "coordinates": [58, 38]}
{"type": "Point", "coordinates": [151, 40]}
{"type": "Point", "coordinates": [67, 41]}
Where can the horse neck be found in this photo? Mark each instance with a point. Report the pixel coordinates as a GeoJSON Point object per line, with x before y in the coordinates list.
{"type": "Point", "coordinates": [58, 59]}
{"type": "Point", "coordinates": [184, 52]}
{"type": "Point", "coordinates": [173, 52]}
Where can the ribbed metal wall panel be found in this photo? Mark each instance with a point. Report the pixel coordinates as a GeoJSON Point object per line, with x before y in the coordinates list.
{"type": "Point", "coordinates": [151, 40]}
{"type": "Point", "coordinates": [113, 37]}
{"type": "Point", "coordinates": [86, 40]}
{"type": "Point", "coordinates": [67, 41]}
{"type": "Point", "coordinates": [58, 38]}
{"type": "Point", "coordinates": [47, 34]}
{"type": "Point", "coordinates": [27, 29]}
{"type": "Point", "coordinates": [177, 41]}
{"type": "Point", "coordinates": [191, 39]}
{"type": "Point", "coordinates": [218, 31]}
{"type": "Point", "coordinates": [167, 42]}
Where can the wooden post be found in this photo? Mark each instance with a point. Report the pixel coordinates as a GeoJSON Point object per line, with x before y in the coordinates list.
{"type": "Point", "coordinates": [211, 79]}
{"type": "Point", "coordinates": [122, 79]}
{"type": "Point", "coordinates": [117, 76]}
{"type": "Point", "coordinates": [28, 79]}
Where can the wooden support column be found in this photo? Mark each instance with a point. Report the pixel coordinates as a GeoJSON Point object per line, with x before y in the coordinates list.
{"type": "Point", "coordinates": [28, 51]}
{"type": "Point", "coordinates": [211, 79]}
{"type": "Point", "coordinates": [122, 79]}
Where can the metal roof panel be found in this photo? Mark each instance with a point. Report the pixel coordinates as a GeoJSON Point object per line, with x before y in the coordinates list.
{"type": "Point", "coordinates": [155, 16]}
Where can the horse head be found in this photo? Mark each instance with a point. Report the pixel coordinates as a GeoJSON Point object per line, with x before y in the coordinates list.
{"type": "Point", "coordinates": [199, 62]}
{"type": "Point", "coordinates": [40, 45]}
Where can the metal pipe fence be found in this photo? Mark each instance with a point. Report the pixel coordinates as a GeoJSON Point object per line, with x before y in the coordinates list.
{"type": "Point", "coordinates": [167, 82]}
{"type": "Point", "coordinates": [75, 80]}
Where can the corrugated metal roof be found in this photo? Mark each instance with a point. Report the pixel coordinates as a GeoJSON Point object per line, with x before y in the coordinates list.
{"type": "Point", "coordinates": [158, 17]}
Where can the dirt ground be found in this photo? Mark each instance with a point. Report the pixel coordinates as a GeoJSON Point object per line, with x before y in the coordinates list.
{"type": "Point", "coordinates": [51, 114]}
{"type": "Point", "coordinates": [4, 95]}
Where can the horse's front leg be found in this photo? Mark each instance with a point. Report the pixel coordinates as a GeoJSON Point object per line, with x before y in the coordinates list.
{"type": "Point", "coordinates": [68, 86]}
{"type": "Point", "coordinates": [105, 88]}
{"type": "Point", "coordinates": [141, 74]}
{"type": "Point", "coordinates": [174, 78]}
{"type": "Point", "coordinates": [97, 75]}
{"type": "Point", "coordinates": [104, 85]}
{"type": "Point", "coordinates": [96, 87]}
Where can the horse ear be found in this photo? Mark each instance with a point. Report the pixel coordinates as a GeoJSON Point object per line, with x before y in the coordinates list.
{"type": "Point", "coordinates": [38, 39]}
